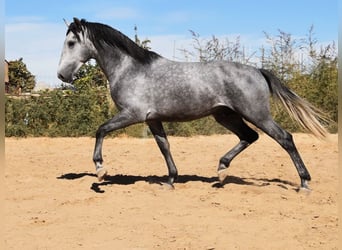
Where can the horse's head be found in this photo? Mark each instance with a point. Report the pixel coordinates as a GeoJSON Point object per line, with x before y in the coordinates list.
{"type": "Point", "coordinates": [77, 50]}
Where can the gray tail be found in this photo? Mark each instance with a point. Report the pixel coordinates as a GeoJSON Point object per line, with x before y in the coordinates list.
{"type": "Point", "coordinates": [303, 112]}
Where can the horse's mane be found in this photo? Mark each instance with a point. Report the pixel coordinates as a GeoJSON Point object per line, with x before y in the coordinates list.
{"type": "Point", "coordinates": [101, 34]}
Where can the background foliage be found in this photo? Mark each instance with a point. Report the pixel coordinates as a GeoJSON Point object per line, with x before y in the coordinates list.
{"type": "Point", "coordinates": [307, 68]}
{"type": "Point", "coordinates": [20, 77]}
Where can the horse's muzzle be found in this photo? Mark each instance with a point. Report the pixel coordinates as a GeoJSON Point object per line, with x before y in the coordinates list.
{"type": "Point", "coordinates": [64, 79]}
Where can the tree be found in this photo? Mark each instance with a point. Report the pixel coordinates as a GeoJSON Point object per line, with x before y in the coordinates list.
{"type": "Point", "coordinates": [20, 78]}
{"type": "Point", "coordinates": [144, 43]}
{"type": "Point", "coordinates": [215, 49]}
{"type": "Point", "coordinates": [282, 57]}
{"type": "Point", "coordinates": [90, 75]}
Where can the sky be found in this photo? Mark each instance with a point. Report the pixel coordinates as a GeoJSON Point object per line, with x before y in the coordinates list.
{"type": "Point", "coordinates": [35, 30]}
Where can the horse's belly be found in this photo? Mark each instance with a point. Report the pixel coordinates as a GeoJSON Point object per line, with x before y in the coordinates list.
{"type": "Point", "coordinates": [182, 111]}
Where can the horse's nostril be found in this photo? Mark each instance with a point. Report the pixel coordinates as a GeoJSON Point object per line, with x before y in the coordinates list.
{"type": "Point", "coordinates": [60, 76]}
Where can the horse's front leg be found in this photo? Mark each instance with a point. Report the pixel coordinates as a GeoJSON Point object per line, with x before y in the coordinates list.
{"type": "Point", "coordinates": [121, 120]}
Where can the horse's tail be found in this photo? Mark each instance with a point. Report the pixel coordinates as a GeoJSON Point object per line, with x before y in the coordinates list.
{"type": "Point", "coordinates": [303, 112]}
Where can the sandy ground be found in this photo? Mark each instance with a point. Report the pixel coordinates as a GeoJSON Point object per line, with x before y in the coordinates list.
{"type": "Point", "coordinates": [54, 201]}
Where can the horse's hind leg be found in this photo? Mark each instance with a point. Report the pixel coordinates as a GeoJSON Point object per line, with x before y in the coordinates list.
{"type": "Point", "coordinates": [270, 127]}
{"type": "Point", "coordinates": [159, 134]}
{"type": "Point", "coordinates": [247, 136]}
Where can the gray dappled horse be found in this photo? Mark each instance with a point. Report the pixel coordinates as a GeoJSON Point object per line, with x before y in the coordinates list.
{"type": "Point", "coordinates": [149, 88]}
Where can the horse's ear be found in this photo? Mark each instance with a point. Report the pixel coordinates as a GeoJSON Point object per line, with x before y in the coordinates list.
{"type": "Point", "coordinates": [77, 22]}
{"type": "Point", "coordinates": [66, 22]}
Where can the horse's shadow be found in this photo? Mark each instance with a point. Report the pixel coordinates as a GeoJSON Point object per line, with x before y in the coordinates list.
{"type": "Point", "coordinates": [153, 179]}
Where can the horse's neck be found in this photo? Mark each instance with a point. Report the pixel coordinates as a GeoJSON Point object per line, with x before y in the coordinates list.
{"type": "Point", "coordinates": [114, 64]}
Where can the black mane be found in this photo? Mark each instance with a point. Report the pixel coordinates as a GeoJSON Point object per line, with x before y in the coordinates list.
{"type": "Point", "coordinates": [101, 34]}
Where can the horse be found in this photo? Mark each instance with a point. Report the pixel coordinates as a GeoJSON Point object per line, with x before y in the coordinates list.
{"type": "Point", "coordinates": [148, 88]}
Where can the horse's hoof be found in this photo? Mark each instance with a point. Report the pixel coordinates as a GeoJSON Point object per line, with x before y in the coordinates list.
{"type": "Point", "coordinates": [304, 190]}
{"type": "Point", "coordinates": [101, 173]}
{"type": "Point", "coordinates": [222, 175]}
{"type": "Point", "coordinates": [304, 187]}
{"type": "Point", "coordinates": [168, 186]}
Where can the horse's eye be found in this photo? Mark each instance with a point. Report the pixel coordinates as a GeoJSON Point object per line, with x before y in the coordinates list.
{"type": "Point", "coordinates": [71, 44]}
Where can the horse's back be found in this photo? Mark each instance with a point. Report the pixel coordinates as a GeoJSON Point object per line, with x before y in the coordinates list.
{"type": "Point", "coordinates": [191, 90]}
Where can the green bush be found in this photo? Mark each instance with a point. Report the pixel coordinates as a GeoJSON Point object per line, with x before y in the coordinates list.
{"type": "Point", "coordinates": [57, 113]}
